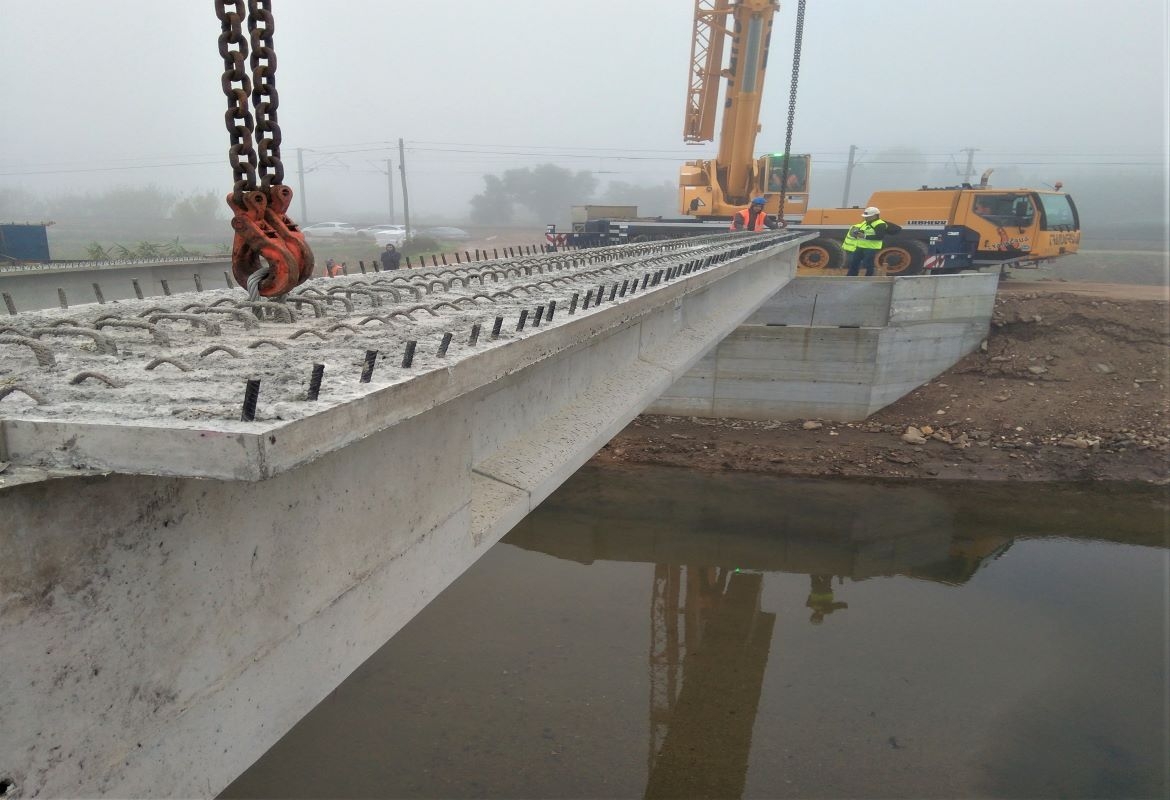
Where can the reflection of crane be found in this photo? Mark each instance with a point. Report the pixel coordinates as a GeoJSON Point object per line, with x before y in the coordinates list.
{"type": "Point", "coordinates": [705, 678]}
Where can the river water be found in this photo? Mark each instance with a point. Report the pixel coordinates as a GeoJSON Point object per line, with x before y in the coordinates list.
{"type": "Point", "coordinates": [660, 633]}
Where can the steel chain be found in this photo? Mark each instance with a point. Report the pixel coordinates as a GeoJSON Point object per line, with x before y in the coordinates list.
{"type": "Point", "coordinates": [237, 87]}
{"type": "Point", "coordinates": [791, 108]}
{"type": "Point", "coordinates": [265, 99]}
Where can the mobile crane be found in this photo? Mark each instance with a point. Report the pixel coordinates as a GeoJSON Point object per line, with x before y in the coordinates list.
{"type": "Point", "coordinates": [945, 229]}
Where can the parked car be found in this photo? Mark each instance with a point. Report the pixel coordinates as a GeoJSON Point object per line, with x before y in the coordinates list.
{"type": "Point", "coordinates": [394, 235]}
{"type": "Point", "coordinates": [372, 230]}
{"type": "Point", "coordinates": [328, 229]}
{"type": "Point", "coordinates": [447, 234]}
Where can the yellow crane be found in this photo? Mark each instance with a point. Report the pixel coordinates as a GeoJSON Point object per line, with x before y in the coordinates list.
{"type": "Point", "coordinates": [717, 188]}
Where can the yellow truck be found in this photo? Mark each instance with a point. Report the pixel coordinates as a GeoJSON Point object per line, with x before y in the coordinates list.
{"type": "Point", "coordinates": [951, 229]}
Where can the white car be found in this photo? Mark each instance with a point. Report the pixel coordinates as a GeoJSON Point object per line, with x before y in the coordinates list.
{"type": "Point", "coordinates": [391, 234]}
{"type": "Point", "coordinates": [329, 229]}
{"type": "Point", "coordinates": [372, 230]}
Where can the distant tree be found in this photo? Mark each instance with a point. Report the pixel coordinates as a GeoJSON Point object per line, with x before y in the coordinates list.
{"type": "Point", "coordinates": [546, 192]}
{"type": "Point", "coordinates": [199, 213]}
{"type": "Point", "coordinates": [654, 200]}
{"type": "Point", "coordinates": [549, 190]}
{"type": "Point", "coordinates": [493, 206]}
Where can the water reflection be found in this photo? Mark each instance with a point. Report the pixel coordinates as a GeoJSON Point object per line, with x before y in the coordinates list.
{"type": "Point", "coordinates": [668, 634]}
{"type": "Point", "coordinates": [709, 638]}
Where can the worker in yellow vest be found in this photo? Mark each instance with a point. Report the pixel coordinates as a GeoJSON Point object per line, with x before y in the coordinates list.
{"type": "Point", "coordinates": [864, 241]}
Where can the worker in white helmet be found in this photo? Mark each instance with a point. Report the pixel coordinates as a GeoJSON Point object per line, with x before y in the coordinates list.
{"type": "Point", "coordinates": [864, 241]}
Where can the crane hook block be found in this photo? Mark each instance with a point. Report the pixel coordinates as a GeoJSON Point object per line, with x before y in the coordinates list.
{"type": "Point", "coordinates": [264, 231]}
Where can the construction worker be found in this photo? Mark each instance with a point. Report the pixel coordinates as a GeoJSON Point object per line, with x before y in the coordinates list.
{"type": "Point", "coordinates": [751, 218]}
{"type": "Point", "coordinates": [864, 241]}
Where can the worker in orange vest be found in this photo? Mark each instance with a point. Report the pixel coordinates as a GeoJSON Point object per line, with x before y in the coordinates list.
{"type": "Point", "coordinates": [333, 269]}
{"type": "Point", "coordinates": [751, 218]}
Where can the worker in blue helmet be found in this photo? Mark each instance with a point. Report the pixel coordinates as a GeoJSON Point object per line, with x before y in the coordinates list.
{"type": "Point", "coordinates": [752, 218]}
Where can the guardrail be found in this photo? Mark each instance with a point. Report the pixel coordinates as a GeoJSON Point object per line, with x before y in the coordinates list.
{"type": "Point", "coordinates": [119, 262]}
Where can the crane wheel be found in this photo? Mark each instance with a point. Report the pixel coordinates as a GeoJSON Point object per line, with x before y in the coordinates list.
{"type": "Point", "coordinates": [902, 257]}
{"type": "Point", "coordinates": [821, 254]}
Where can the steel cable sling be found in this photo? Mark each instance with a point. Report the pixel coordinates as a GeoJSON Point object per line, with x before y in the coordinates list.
{"type": "Point", "coordinates": [269, 254]}
{"type": "Point", "coordinates": [791, 110]}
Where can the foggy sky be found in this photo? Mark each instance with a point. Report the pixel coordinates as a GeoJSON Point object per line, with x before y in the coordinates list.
{"type": "Point", "coordinates": [98, 94]}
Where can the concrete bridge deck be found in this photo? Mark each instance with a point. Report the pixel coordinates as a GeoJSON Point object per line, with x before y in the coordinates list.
{"type": "Point", "coordinates": [180, 587]}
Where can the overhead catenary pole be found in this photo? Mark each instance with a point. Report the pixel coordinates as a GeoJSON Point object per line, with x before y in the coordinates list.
{"type": "Point", "coordinates": [405, 196]}
{"type": "Point", "coordinates": [848, 176]}
{"type": "Point", "coordinates": [390, 187]}
{"type": "Point", "coordinates": [970, 151]}
{"type": "Point", "coordinates": [301, 185]}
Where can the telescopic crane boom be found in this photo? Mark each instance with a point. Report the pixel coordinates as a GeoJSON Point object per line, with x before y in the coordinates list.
{"type": "Point", "coordinates": [721, 186]}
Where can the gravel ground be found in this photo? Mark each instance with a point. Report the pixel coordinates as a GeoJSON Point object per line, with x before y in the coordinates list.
{"type": "Point", "coordinates": [1070, 385]}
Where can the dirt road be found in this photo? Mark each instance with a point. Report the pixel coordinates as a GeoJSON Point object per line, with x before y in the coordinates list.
{"type": "Point", "coordinates": [1070, 385]}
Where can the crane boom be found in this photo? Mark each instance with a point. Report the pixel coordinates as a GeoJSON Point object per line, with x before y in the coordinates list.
{"type": "Point", "coordinates": [710, 32]}
{"type": "Point", "coordinates": [717, 188]}
{"type": "Point", "coordinates": [751, 35]}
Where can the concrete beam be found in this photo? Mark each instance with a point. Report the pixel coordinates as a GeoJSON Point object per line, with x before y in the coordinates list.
{"type": "Point", "coordinates": [159, 633]}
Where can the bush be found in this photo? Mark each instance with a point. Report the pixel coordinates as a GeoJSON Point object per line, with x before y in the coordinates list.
{"type": "Point", "coordinates": [418, 245]}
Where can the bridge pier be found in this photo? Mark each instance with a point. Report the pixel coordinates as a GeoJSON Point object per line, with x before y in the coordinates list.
{"type": "Point", "coordinates": [159, 631]}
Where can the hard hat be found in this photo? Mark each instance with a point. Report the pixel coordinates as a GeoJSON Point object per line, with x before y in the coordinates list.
{"type": "Point", "coordinates": [759, 201]}
{"type": "Point", "coordinates": [872, 211]}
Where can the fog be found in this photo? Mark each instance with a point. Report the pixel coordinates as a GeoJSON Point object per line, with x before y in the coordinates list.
{"type": "Point", "coordinates": [98, 95]}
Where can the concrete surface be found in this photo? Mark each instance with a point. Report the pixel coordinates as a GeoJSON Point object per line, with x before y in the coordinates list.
{"type": "Point", "coordinates": [837, 348]}
{"type": "Point", "coordinates": [36, 288]}
{"type": "Point", "coordinates": [159, 633]}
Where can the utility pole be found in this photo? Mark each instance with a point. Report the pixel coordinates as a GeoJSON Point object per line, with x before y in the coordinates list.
{"type": "Point", "coordinates": [970, 151]}
{"type": "Point", "coordinates": [390, 187]}
{"type": "Point", "coordinates": [848, 176]}
{"type": "Point", "coordinates": [405, 197]}
{"type": "Point", "coordinates": [301, 185]}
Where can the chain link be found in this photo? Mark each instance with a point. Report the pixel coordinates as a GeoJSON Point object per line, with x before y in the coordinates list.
{"type": "Point", "coordinates": [265, 99]}
{"type": "Point", "coordinates": [791, 107]}
{"type": "Point", "coordinates": [236, 87]}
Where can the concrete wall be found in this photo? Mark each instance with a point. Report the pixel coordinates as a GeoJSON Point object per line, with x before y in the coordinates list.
{"type": "Point", "coordinates": [158, 634]}
{"type": "Point", "coordinates": [837, 348]}
{"type": "Point", "coordinates": [34, 289]}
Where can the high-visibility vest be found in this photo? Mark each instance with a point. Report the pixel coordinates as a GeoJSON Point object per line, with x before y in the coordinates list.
{"type": "Point", "coordinates": [743, 217]}
{"type": "Point", "coordinates": [865, 227]}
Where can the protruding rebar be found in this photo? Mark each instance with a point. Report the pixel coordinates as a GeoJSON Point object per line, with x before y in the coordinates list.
{"type": "Point", "coordinates": [368, 368]}
{"type": "Point", "coordinates": [474, 335]}
{"type": "Point", "coordinates": [447, 337]}
{"type": "Point", "coordinates": [251, 395]}
{"type": "Point", "coordinates": [315, 381]}
{"type": "Point", "coordinates": [552, 308]}
{"type": "Point", "coordinates": [408, 354]}
{"type": "Point", "coordinates": [499, 323]}
{"type": "Point", "coordinates": [198, 282]}
{"type": "Point", "coordinates": [523, 319]}
{"type": "Point", "coordinates": [11, 306]}
{"type": "Point", "coordinates": [61, 298]}
{"type": "Point", "coordinates": [613, 291]}
{"type": "Point", "coordinates": [165, 287]}
{"type": "Point", "coordinates": [573, 304]}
